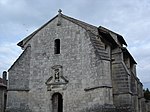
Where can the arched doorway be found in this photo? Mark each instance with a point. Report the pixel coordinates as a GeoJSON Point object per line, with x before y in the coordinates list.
{"type": "Point", "coordinates": [57, 102]}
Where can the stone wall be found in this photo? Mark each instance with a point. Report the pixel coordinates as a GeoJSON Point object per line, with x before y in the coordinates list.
{"type": "Point", "coordinates": [89, 73]}
{"type": "Point", "coordinates": [148, 106]}
{"type": "Point", "coordinates": [121, 79]}
{"type": "Point", "coordinates": [19, 72]}
{"type": "Point", "coordinates": [88, 77]}
{"type": "Point", "coordinates": [1, 100]}
{"type": "Point", "coordinates": [18, 83]}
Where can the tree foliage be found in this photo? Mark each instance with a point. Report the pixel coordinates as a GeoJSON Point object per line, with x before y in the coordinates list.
{"type": "Point", "coordinates": [147, 94]}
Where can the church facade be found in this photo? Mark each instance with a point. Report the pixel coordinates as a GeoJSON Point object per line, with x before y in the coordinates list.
{"type": "Point", "coordinates": [71, 66]}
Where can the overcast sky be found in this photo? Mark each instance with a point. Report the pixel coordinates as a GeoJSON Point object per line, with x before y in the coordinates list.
{"type": "Point", "coordinates": [130, 18]}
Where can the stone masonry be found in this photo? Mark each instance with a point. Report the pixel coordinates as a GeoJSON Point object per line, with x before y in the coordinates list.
{"type": "Point", "coordinates": [70, 66]}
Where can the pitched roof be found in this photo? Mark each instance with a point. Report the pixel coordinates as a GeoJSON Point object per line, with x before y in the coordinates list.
{"type": "Point", "coordinates": [25, 40]}
{"type": "Point", "coordinates": [120, 38]}
{"type": "Point", "coordinates": [84, 25]}
{"type": "Point", "coordinates": [125, 50]}
{"type": "Point", "coordinates": [78, 22]}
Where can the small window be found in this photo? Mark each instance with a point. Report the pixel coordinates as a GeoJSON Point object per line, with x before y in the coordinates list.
{"type": "Point", "coordinates": [57, 46]}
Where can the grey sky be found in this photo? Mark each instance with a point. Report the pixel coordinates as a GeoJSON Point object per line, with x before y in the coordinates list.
{"type": "Point", "coordinates": [130, 18]}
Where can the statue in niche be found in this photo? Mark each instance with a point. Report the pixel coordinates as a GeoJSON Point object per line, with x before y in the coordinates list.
{"type": "Point", "coordinates": [56, 80]}
{"type": "Point", "coordinates": [57, 75]}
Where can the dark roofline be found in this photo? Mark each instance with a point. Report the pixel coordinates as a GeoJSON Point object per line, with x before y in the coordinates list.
{"type": "Point", "coordinates": [107, 37]}
{"type": "Point", "coordinates": [78, 22]}
{"type": "Point", "coordinates": [125, 50]}
{"type": "Point", "coordinates": [120, 38]}
{"type": "Point", "coordinates": [18, 58]}
{"type": "Point", "coordinates": [82, 24]}
{"type": "Point", "coordinates": [21, 43]}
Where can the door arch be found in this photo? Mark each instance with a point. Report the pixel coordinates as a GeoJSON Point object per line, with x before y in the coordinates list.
{"type": "Point", "coordinates": [57, 102]}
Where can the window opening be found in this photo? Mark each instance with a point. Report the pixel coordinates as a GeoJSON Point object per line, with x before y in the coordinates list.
{"type": "Point", "coordinates": [57, 46]}
{"type": "Point", "coordinates": [57, 102]}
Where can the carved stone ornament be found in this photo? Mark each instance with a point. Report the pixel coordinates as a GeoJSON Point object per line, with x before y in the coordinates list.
{"type": "Point", "coordinates": [57, 80]}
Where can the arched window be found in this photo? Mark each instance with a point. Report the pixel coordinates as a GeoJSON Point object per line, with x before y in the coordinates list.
{"type": "Point", "coordinates": [57, 46]}
{"type": "Point", "coordinates": [57, 102]}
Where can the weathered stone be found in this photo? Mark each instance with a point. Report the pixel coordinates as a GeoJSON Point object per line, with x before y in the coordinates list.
{"type": "Point", "coordinates": [91, 72]}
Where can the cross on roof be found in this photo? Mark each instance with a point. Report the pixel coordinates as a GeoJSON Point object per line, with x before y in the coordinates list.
{"type": "Point", "coordinates": [59, 11]}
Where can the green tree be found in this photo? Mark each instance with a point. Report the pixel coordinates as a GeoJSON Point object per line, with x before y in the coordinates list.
{"type": "Point", "coordinates": [147, 94]}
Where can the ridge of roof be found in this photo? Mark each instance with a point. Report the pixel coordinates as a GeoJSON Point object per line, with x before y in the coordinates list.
{"type": "Point", "coordinates": [80, 23]}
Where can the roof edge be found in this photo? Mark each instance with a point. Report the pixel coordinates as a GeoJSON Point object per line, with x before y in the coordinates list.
{"type": "Point", "coordinates": [118, 35]}
{"type": "Point", "coordinates": [26, 39]}
{"type": "Point", "coordinates": [18, 58]}
{"type": "Point", "coordinates": [131, 57]}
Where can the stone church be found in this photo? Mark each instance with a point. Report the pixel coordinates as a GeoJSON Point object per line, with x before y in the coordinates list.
{"type": "Point", "coordinates": [71, 66]}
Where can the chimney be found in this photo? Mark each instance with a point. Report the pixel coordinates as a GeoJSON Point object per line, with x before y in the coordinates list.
{"type": "Point", "coordinates": [4, 77]}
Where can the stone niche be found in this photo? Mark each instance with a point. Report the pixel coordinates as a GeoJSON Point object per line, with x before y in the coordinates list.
{"type": "Point", "coordinates": [56, 81]}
